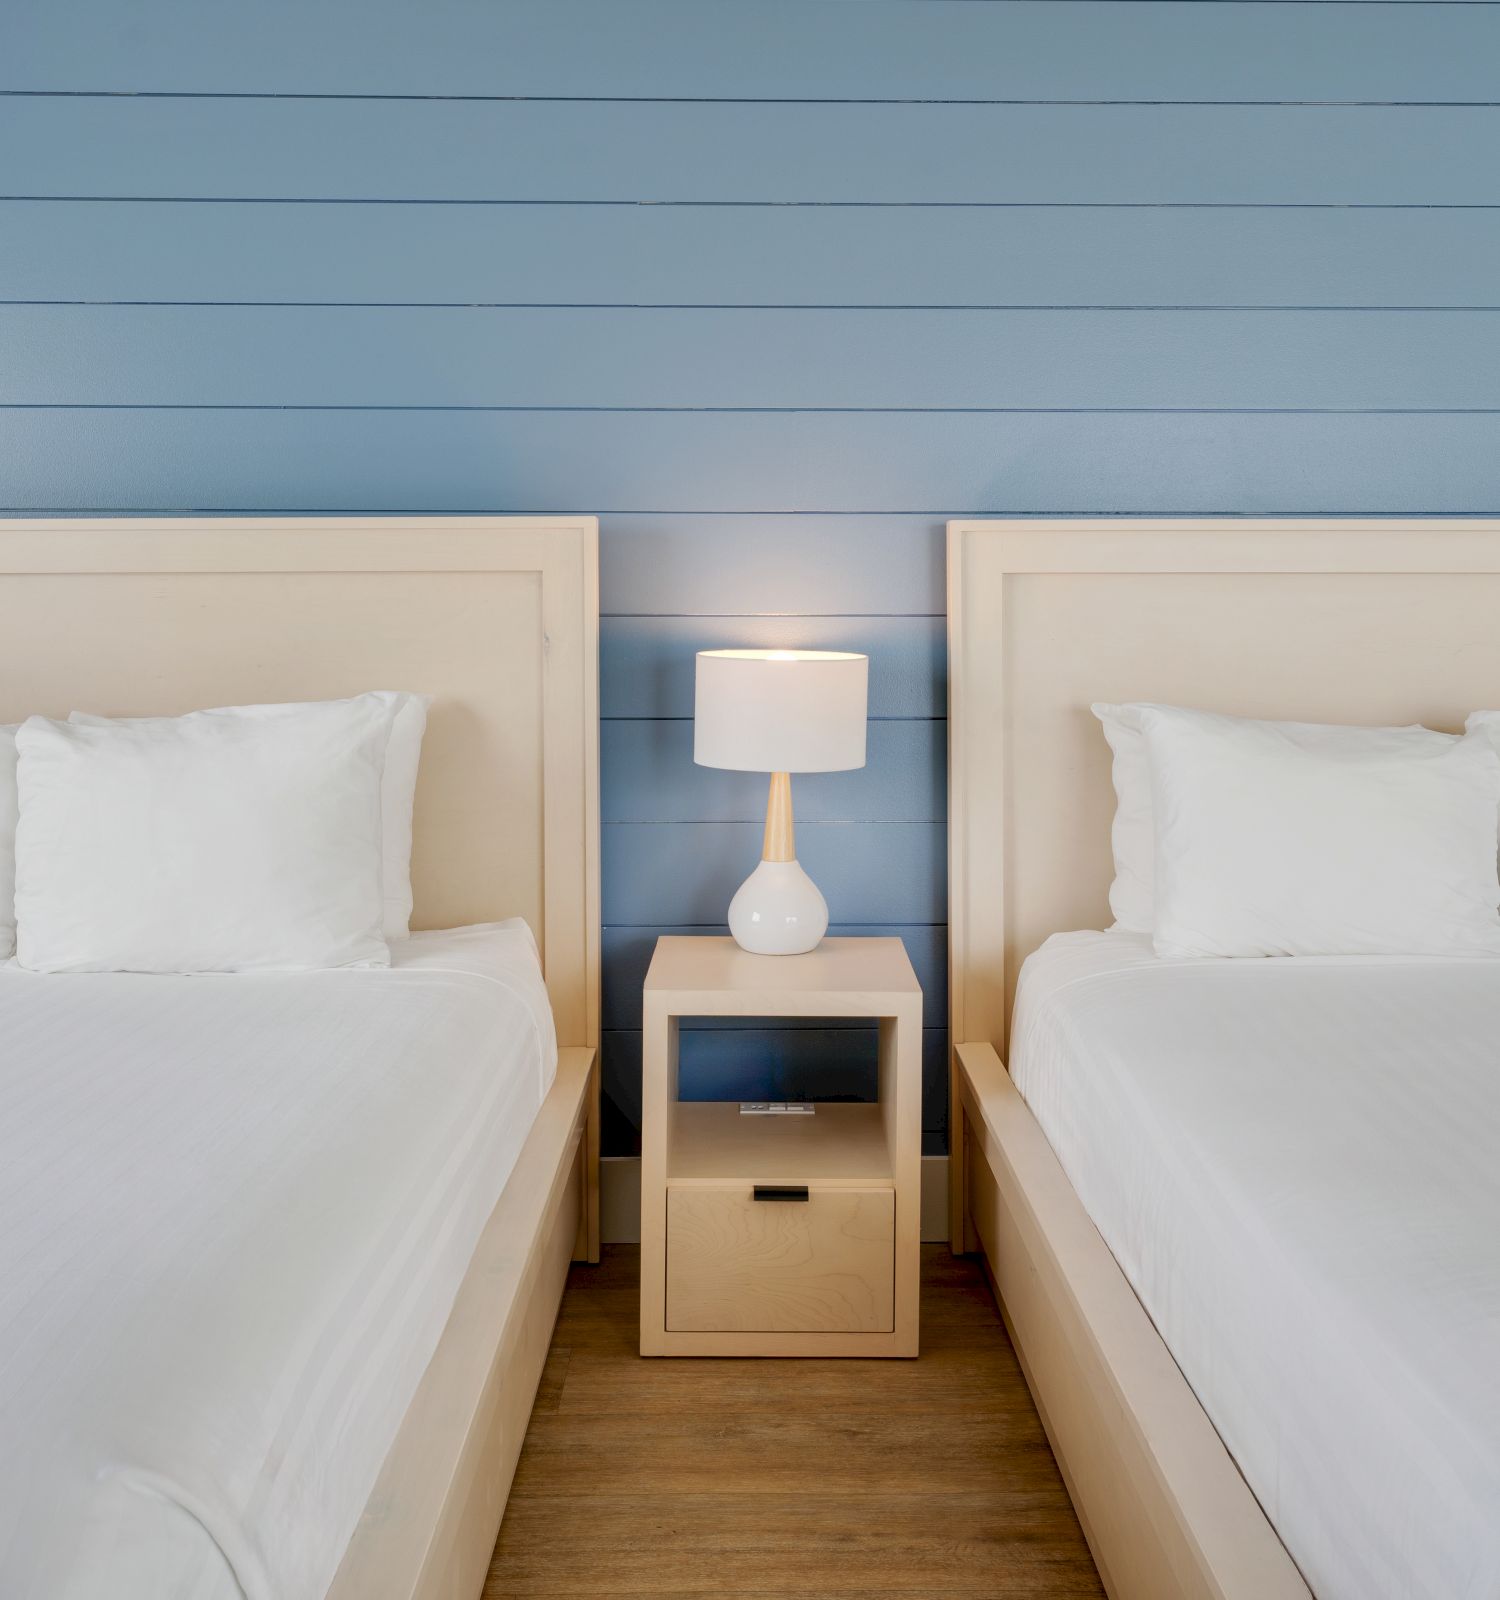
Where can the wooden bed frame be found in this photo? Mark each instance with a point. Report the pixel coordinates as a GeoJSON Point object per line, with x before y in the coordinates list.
{"type": "Point", "coordinates": [497, 618]}
{"type": "Point", "coordinates": [1335, 621]}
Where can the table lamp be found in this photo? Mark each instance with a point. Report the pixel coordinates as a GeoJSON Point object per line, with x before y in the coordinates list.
{"type": "Point", "coordinates": [780, 711]}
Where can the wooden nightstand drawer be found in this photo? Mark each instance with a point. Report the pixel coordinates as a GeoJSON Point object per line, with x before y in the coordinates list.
{"type": "Point", "coordinates": [736, 1264]}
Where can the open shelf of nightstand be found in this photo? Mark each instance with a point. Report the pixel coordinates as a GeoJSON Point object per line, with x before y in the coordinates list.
{"type": "Point", "coordinates": [709, 1141]}
{"type": "Point", "coordinates": [781, 1235]}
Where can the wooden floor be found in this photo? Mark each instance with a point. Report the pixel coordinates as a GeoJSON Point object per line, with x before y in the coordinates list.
{"type": "Point", "coordinates": [687, 1479]}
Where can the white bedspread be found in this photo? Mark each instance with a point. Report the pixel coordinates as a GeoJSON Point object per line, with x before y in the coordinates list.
{"type": "Point", "coordinates": [234, 1214]}
{"type": "Point", "coordinates": [1297, 1165]}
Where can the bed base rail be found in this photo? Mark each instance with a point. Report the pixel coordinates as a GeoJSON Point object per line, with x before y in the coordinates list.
{"type": "Point", "coordinates": [429, 1528]}
{"type": "Point", "coordinates": [1163, 1506]}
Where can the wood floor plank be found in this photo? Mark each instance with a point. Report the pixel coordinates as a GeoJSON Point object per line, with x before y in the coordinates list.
{"type": "Point", "coordinates": [764, 1480]}
{"type": "Point", "coordinates": [974, 1380]}
{"type": "Point", "coordinates": [554, 1374]}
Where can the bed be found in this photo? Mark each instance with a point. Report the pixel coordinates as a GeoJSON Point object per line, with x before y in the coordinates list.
{"type": "Point", "coordinates": [312, 1228]}
{"type": "Point", "coordinates": [1203, 1176]}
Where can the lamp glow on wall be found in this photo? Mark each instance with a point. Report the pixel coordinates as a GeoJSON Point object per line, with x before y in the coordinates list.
{"type": "Point", "coordinates": [780, 711]}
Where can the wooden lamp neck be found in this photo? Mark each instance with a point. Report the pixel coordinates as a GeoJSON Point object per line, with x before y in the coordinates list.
{"type": "Point", "coordinates": [780, 843]}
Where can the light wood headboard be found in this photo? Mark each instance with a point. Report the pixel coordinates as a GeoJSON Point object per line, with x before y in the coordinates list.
{"type": "Point", "coordinates": [496, 617]}
{"type": "Point", "coordinates": [1318, 621]}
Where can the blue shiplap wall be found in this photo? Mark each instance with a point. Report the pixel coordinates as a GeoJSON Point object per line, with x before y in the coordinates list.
{"type": "Point", "coordinates": [775, 286]}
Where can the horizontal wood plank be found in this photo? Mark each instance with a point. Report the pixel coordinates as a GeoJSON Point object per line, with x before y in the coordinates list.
{"type": "Point", "coordinates": [749, 563]}
{"type": "Point", "coordinates": [224, 251]}
{"type": "Point", "coordinates": [680, 1455]}
{"type": "Point", "coordinates": [647, 774]}
{"type": "Point", "coordinates": [868, 871]}
{"type": "Point", "coordinates": [628, 951]}
{"type": "Point", "coordinates": [1057, 464]}
{"type": "Point", "coordinates": [777, 48]}
{"type": "Point", "coordinates": [648, 663]}
{"type": "Point", "coordinates": [133, 147]}
{"type": "Point", "coordinates": [747, 360]}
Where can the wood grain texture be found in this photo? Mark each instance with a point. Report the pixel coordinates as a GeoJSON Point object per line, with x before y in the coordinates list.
{"type": "Point", "coordinates": [821, 1265]}
{"type": "Point", "coordinates": [841, 1146]}
{"type": "Point", "coordinates": [678, 1478]}
{"type": "Point", "coordinates": [627, 954]}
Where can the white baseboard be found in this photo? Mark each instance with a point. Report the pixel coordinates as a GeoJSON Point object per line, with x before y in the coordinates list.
{"type": "Point", "coordinates": [620, 1199]}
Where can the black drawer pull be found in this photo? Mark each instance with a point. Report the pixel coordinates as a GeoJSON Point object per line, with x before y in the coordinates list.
{"type": "Point", "coordinates": [780, 1191]}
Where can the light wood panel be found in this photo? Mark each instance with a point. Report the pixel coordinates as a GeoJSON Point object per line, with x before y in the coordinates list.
{"type": "Point", "coordinates": [844, 1146]}
{"type": "Point", "coordinates": [736, 1263]}
{"type": "Point", "coordinates": [628, 952]}
{"type": "Point", "coordinates": [807, 1479]}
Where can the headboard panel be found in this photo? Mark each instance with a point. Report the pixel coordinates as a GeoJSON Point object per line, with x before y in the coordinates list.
{"type": "Point", "coordinates": [1321, 621]}
{"type": "Point", "coordinates": [496, 617]}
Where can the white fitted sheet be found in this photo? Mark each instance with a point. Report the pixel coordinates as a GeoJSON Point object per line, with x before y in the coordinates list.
{"type": "Point", "coordinates": [1297, 1165]}
{"type": "Point", "coordinates": [235, 1211]}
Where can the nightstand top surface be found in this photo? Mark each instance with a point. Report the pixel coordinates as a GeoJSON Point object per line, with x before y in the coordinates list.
{"type": "Point", "coordinates": [684, 966]}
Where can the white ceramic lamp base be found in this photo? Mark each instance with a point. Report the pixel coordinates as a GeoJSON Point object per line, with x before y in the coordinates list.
{"type": "Point", "coordinates": [778, 911]}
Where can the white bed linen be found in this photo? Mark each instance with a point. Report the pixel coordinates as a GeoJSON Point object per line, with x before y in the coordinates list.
{"type": "Point", "coordinates": [234, 1214]}
{"type": "Point", "coordinates": [1297, 1165]}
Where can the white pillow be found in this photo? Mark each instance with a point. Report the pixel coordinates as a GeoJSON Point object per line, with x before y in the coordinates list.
{"type": "Point", "coordinates": [398, 789]}
{"type": "Point", "coordinates": [8, 812]}
{"type": "Point", "coordinates": [1132, 896]}
{"type": "Point", "coordinates": [220, 841]}
{"type": "Point", "coordinates": [1486, 723]}
{"type": "Point", "coordinates": [1290, 838]}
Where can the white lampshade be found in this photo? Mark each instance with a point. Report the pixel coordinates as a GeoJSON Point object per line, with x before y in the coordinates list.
{"type": "Point", "coordinates": [780, 710]}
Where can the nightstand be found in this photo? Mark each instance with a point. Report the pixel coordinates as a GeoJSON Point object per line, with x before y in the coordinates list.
{"type": "Point", "coordinates": [781, 1235]}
